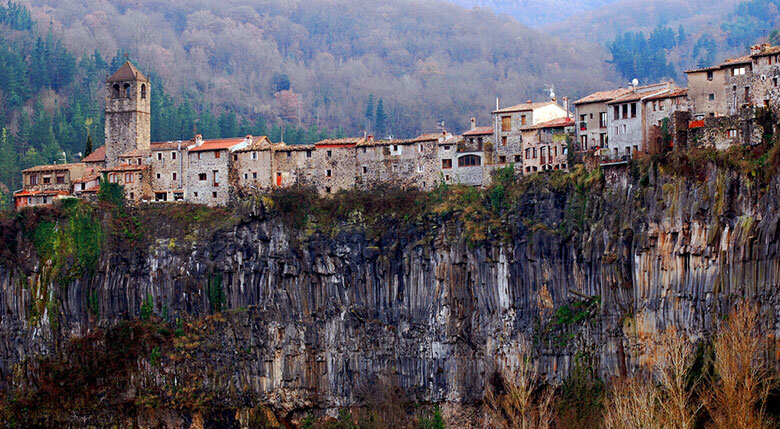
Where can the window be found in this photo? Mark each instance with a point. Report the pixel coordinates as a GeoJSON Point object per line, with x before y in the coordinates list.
{"type": "Point", "coordinates": [447, 177]}
{"type": "Point", "coordinates": [624, 130]}
{"type": "Point", "coordinates": [132, 196]}
{"type": "Point", "coordinates": [254, 175]}
{"type": "Point", "coordinates": [747, 94]}
{"type": "Point", "coordinates": [143, 91]}
{"type": "Point", "coordinates": [217, 154]}
{"type": "Point", "coordinates": [216, 177]}
{"type": "Point", "coordinates": [159, 156]}
{"type": "Point", "coordinates": [633, 110]}
{"type": "Point", "coordinates": [308, 153]}
{"type": "Point", "coordinates": [420, 168]}
{"type": "Point", "coordinates": [195, 194]}
{"type": "Point", "coordinates": [34, 179]}
{"type": "Point", "coordinates": [127, 90]}
{"type": "Point", "coordinates": [506, 123]}
{"type": "Point", "coordinates": [328, 173]}
{"type": "Point", "coordinates": [502, 159]}
{"type": "Point", "coordinates": [202, 176]}
{"type": "Point", "coordinates": [528, 153]}
{"type": "Point", "coordinates": [446, 163]}
{"type": "Point", "coordinates": [603, 120]}
{"type": "Point", "coordinates": [517, 158]}
{"type": "Point", "coordinates": [83, 186]}
{"type": "Point", "coordinates": [160, 196]}
{"type": "Point", "coordinates": [173, 176]}
{"type": "Point", "coordinates": [112, 177]}
{"type": "Point", "coordinates": [46, 180]}
{"type": "Point", "coordinates": [738, 71]}
{"type": "Point", "coordinates": [364, 150]}
{"type": "Point", "coordinates": [116, 90]}
{"type": "Point", "coordinates": [446, 147]}
{"type": "Point", "coordinates": [214, 194]}
{"type": "Point", "coordinates": [198, 155]}
{"type": "Point", "coordinates": [254, 155]}
{"type": "Point", "coordinates": [469, 161]}
{"type": "Point", "coordinates": [327, 189]}
{"type": "Point", "coordinates": [235, 157]}
{"type": "Point", "coordinates": [625, 111]}
{"type": "Point", "coordinates": [395, 168]}
{"type": "Point", "coordinates": [246, 176]}
{"type": "Point", "coordinates": [732, 133]}
{"type": "Point", "coordinates": [654, 106]}
{"type": "Point", "coordinates": [129, 178]}
{"type": "Point", "coordinates": [617, 131]}
{"type": "Point", "coordinates": [584, 142]}
{"type": "Point", "coordinates": [709, 75]}
{"type": "Point", "coordinates": [661, 105]}
{"type": "Point", "coordinates": [603, 140]}
{"type": "Point", "coordinates": [60, 179]}
{"type": "Point", "coordinates": [421, 148]}
{"type": "Point", "coordinates": [395, 148]}
{"type": "Point", "coordinates": [522, 119]}
{"type": "Point", "coordinates": [774, 81]}
{"type": "Point", "coordinates": [712, 97]}
{"type": "Point", "coordinates": [289, 154]}
{"type": "Point", "coordinates": [330, 153]}
{"type": "Point", "coordinates": [365, 169]}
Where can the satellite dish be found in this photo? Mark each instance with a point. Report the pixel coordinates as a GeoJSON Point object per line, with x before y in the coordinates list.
{"type": "Point", "coordinates": [635, 82]}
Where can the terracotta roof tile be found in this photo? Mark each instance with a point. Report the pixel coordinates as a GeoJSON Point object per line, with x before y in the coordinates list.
{"type": "Point", "coordinates": [87, 177]}
{"type": "Point", "coordinates": [54, 167]}
{"type": "Point", "coordinates": [524, 107]}
{"type": "Point", "coordinates": [97, 155]}
{"type": "Point", "coordinates": [680, 92]}
{"type": "Point", "coordinates": [168, 145]}
{"type": "Point", "coordinates": [135, 153]}
{"type": "Point", "coordinates": [127, 72]}
{"type": "Point", "coordinates": [342, 141]}
{"type": "Point", "coordinates": [766, 50]}
{"type": "Point", "coordinates": [125, 167]}
{"type": "Point", "coordinates": [555, 123]}
{"type": "Point", "coordinates": [602, 96]}
{"type": "Point", "coordinates": [479, 131]}
{"type": "Point", "coordinates": [24, 193]}
{"type": "Point", "coordinates": [219, 144]}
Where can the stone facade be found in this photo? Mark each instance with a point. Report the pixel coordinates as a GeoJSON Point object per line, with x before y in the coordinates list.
{"type": "Point", "coordinates": [168, 161]}
{"type": "Point", "coordinates": [545, 145]}
{"type": "Point", "coordinates": [135, 180]}
{"type": "Point", "coordinates": [723, 132]}
{"type": "Point", "coordinates": [45, 183]}
{"type": "Point", "coordinates": [593, 120]}
{"type": "Point", "coordinates": [209, 167]}
{"type": "Point", "coordinates": [128, 113]}
{"type": "Point", "coordinates": [705, 91]}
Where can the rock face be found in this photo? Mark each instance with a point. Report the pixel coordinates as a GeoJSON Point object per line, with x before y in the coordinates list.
{"type": "Point", "coordinates": [310, 321]}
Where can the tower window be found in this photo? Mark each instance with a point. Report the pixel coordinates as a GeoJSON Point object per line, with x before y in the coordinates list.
{"type": "Point", "coordinates": [143, 91]}
{"type": "Point", "coordinates": [127, 90]}
{"type": "Point", "coordinates": [116, 90]}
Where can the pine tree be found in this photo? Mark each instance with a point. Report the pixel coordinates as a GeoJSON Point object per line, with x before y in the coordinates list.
{"type": "Point", "coordinates": [381, 118]}
{"type": "Point", "coordinates": [9, 164]}
{"type": "Point", "coordinates": [369, 112]}
{"type": "Point", "coordinates": [88, 147]}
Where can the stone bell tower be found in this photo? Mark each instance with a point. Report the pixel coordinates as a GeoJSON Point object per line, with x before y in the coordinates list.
{"type": "Point", "coordinates": [128, 115]}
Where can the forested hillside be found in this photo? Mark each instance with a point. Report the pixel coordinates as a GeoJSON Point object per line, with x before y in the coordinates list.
{"type": "Point", "coordinates": [537, 12]}
{"type": "Point", "coordinates": [306, 69]}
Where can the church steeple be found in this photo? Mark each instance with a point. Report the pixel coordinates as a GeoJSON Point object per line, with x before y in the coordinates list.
{"type": "Point", "coordinates": [128, 113]}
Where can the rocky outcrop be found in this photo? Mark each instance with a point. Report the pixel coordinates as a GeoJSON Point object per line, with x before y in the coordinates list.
{"type": "Point", "coordinates": [311, 321]}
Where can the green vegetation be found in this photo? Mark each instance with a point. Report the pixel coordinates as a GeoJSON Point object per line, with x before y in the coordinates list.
{"type": "Point", "coordinates": [215, 292]}
{"type": "Point", "coordinates": [637, 56]}
{"type": "Point", "coordinates": [147, 307]}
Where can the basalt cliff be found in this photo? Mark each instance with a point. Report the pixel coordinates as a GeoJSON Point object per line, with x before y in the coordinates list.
{"type": "Point", "coordinates": [176, 314]}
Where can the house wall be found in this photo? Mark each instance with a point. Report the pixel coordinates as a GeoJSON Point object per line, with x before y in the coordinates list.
{"type": "Point", "coordinates": [625, 135]}
{"type": "Point", "coordinates": [294, 167]}
{"type": "Point", "coordinates": [70, 173]}
{"type": "Point", "coordinates": [766, 83]}
{"type": "Point", "coordinates": [205, 191]}
{"type": "Point", "coordinates": [734, 88]}
{"type": "Point", "coordinates": [593, 131]}
{"type": "Point", "coordinates": [699, 90]}
{"type": "Point", "coordinates": [655, 115]}
{"type": "Point", "coordinates": [715, 131]}
{"type": "Point", "coordinates": [339, 160]}
{"type": "Point", "coordinates": [169, 172]}
{"type": "Point", "coordinates": [545, 149]}
{"type": "Point", "coordinates": [447, 151]}
{"type": "Point", "coordinates": [141, 186]}
{"type": "Point", "coordinates": [253, 169]}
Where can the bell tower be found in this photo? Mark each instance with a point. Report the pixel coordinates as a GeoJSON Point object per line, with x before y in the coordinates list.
{"type": "Point", "coordinates": [128, 116]}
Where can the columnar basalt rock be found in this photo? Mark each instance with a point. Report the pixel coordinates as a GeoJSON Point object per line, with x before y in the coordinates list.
{"type": "Point", "coordinates": [310, 319]}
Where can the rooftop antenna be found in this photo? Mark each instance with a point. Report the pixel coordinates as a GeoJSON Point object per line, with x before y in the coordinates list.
{"type": "Point", "coordinates": [64, 158]}
{"type": "Point", "coordinates": [551, 88]}
{"type": "Point", "coordinates": [635, 82]}
{"type": "Point", "coordinates": [441, 125]}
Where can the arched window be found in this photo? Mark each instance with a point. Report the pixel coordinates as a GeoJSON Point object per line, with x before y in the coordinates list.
{"type": "Point", "coordinates": [127, 90]}
{"type": "Point", "coordinates": [143, 91]}
{"type": "Point", "coordinates": [469, 161]}
{"type": "Point", "coordinates": [116, 90]}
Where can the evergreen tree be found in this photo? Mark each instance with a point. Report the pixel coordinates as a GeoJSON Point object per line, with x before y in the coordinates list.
{"type": "Point", "coordinates": [381, 118]}
{"type": "Point", "coordinates": [369, 112]}
{"type": "Point", "coordinates": [88, 146]}
{"type": "Point", "coordinates": [228, 125]}
{"type": "Point", "coordinates": [10, 173]}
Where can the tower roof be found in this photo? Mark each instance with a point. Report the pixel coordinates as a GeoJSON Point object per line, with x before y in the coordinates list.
{"type": "Point", "coordinates": [127, 72]}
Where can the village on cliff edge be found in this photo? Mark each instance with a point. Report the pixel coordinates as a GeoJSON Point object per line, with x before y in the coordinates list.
{"type": "Point", "coordinates": [717, 110]}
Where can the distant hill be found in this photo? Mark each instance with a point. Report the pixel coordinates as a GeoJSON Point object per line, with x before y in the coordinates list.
{"type": "Point", "coordinates": [536, 13]}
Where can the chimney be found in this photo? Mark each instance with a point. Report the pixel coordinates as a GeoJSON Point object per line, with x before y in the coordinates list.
{"type": "Point", "coordinates": [198, 139]}
{"type": "Point", "coordinates": [248, 139]}
{"type": "Point", "coordinates": [529, 101]}
{"type": "Point", "coordinates": [566, 106]}
{"type": "Point", "coordinates": [473, 123]}
{"type": "Point", "coordinates": [370, 138]}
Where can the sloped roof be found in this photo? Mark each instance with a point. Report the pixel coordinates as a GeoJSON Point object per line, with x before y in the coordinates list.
{"type": "Point", "coordinates": [24, 193]}
{"type": "Point", "coordinates": [426, 137]}
{"type": "Point", "coordinates": [258, 143]}
{"type": "Point", "coordinates": [167, 145]}
{"type": "Point", "coordinates": [126, 167]}
{"type": "Point", "coordinates": [479, 131]}
{"type": "Point", "coordinates": [127, 72]}
{"type": "Point", "coordinates": [97, 155]}
{"type": "Point", "coordinates": [134, 153]}
{"type": "Point", "coordinates": [554, 123]}
{"type": "Point", "coordinates": [220, 144]}
{"type": "Point", "coordinates": [342, 141]}
{"type": "Point", "coordinates": [766, 50]}
{"type": "Point", "coordinates": [53, 167]}
{"type": "Point", "coordinates": [680, 92]}
{"type": "Point", "coordinates": [602, 96]}
{"type": "Point", "coordinates": [87, 177]}
{"type": "Point", "coordinates": [524, 107]}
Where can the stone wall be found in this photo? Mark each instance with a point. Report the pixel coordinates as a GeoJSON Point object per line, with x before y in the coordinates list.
{"type": "Point", "coordinates": [169, 170]}
{"type": "Point", "coordinates": [128, 121]}
{"type": "Point", "coordinates": [714, 132]}
{"type": "Point", "coordinates": [593, 132]}
{"type": "Point", "coordinates": [700, 87]}
{"type": "Point", "coordinates": [201, 168]}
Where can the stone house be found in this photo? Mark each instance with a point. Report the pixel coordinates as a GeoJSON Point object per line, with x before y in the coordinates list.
{"type": "Point", "coordinates": [97, 159]}
{"type": "Point", "coordinates": [135, 179]}
{"type": "Point", "coordinates": [253, 165]}
{"type": "Point", "coordinates": [509, 123]}
{"type": "Point", "coordinates": [658, 108]}
{"type": "Point", "coordinates": [765, 89]}
{"type": "Point", "coordinates": [87, 186]}
{"type": "Point", "coordinates": [128, 113]}
{"type": "Point", "coordinates": [625, 132]}
{"type": "Point", "coordinates": [592, 117]}
{"type": "Point", "coordinates": [463, 161]}
{"type": "Point", "coordinates": [705, 91]}
{"type": "Point", "coordinates": [168, 161]}
{"type": "Point", "coordinates": [405, 163]}
{"type": "Point", "coordinates": [334, 166]}
{"type": "Point", "coordinates": [43, 184]}
{"type": "Point", "coordinates": [545, 145]}
{"type": "Point", "coordinates": [292, 164]}
{"type": "Point", "coordinates": [209, 164]}
{"type": "Point", "coordinates": [722, 132]}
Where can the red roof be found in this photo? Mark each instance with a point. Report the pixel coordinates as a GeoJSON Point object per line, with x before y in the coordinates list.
{"type": "Point", "coordinates": [24, 193]}
{"type": "Point", "coordinates": [524, 107]}
{"type": "Point", "coordinates": [555, 123]}
{"type": "Point", "coordinates": [479, 131]}
{"type": "Point", "coordinates": [218, 144]}
{"type": "Point", "coordinates": [602, 96]}
{"type": "Point", "coordinates": [98, 155]}
{"type": "Point", "coordinates": [92, 189]}
{"type": "Point", "coordinates": [167, 145]}
{"type": "Point", "coordinates": [87, 177]}
{"type": "Point", "coordinates": [348, 141]}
